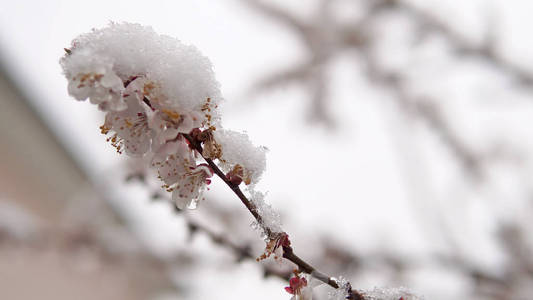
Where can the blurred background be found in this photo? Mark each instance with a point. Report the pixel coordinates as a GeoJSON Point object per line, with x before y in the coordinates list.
{"type": "Point", "coordinates": [400, 152]}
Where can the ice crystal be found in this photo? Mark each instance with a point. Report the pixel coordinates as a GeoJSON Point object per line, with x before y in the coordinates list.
{"type": "Point", "coordinates": [270, 218]}
{"type": "Point", "coordinates": [343, 292]}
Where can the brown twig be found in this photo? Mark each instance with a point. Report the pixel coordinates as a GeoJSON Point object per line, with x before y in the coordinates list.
{"type": "Point", "coordinates": [288, 252]}
{"type": "Point", "coordinates": [252, 208]}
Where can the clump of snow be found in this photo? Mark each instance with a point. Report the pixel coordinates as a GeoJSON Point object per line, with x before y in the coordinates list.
{"type": "Point", "coordinates": [156, 91]}
{"type": "Point", "coordinates": [271, 218]}
{"type": "Point", "coordinates": [342, 292]}
{"type": "Point", "coordinates": [238, 149]}
{"type": "Point", "coordinates": [182, 77]}
{"type": "Point", "coordinates": [153, 89]}
{"type": "Point", "coordinates": [390, 294]}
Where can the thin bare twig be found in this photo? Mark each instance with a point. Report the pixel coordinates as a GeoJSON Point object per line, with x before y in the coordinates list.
{"type": "Point", "coordinates": [288, 252]}
{"type": "Point", "coordinates": [242, 252]}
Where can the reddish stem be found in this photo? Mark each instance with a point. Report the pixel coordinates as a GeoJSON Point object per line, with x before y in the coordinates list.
{"type": "Point", "coordinates": [288, 252]}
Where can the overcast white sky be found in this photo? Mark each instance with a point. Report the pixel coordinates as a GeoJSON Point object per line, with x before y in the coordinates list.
{"type": "Point", "coordinates": [318, 179]}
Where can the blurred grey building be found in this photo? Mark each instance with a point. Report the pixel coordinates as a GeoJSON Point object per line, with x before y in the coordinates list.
{"type": "Point", "coordinates": [60, 260]}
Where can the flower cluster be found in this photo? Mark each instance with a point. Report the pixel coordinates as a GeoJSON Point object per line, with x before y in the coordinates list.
{"type": "Point", "coordinates": [156, 92]}
{"type": "Point", "coordinates": [161, 102]}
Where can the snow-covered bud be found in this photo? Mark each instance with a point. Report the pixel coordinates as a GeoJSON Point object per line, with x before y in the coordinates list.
{"type": "Point", "coordinates": [300, 287]}
{"type": "Point", "coordinates": [236, 149]}
{"type": "Point", "coordinates": [296, 284]}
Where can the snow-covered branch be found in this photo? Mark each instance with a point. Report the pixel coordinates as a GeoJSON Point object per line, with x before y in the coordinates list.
{"type": "Point", "coordinates": [161, 101]}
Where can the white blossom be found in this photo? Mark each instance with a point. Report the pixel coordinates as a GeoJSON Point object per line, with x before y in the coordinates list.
{"type": "Point", "coordinates": [153, 88]}
{"type": "Point", "coordinates": [172, 161]}
{"type": "Point", "coordinates": [188, 191]}
{"type": "Point", "coordinates": [130, 125]}
{"type": "Point", "coordinates": [178, 170]}
{"type": "Point", "coordinates": [98, 83]}
{"type": "Point", "coordinates": [155, 91]}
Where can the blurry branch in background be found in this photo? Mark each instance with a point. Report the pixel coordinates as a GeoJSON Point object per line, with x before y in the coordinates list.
{"type": "Point", "coordinates": [84, 238]}
{"type": "Point", "coordinates": [325, 38]}
{"type": "Point", "coordinates": [427, 109]}
{"type": "Point", "coordinates": [322, 41]}
{"type": "Point", "coordinates": [26, 232]}
{"type": "Point", "coordinates": [118, 247]}
{"type": "Point", "coordinates": [241, 252]}
{"type": "Point", "coordinates": [487, 50]}
{"type": "Point", "coordinates": [335, 256]}
{"type": "Point", "coordinates": [341, 261]}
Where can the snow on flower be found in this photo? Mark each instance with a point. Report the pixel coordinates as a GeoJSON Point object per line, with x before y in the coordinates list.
{"type": "Point", "coordinates": [156, 91]}
{"type": "Point", "coordinates": [153, 88]}
{"type": "Point", "coordinates": [98, 83]}
{"type": "Point", "coordinates": [179, 77]}
{"type": "Point", "coordinates": [238, 149]}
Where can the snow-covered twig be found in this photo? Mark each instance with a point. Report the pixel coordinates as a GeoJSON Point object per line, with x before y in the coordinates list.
{"type": "Point", "coordinates": [288, 252]}
{"type": "Point", "coordinates": [161, 102]}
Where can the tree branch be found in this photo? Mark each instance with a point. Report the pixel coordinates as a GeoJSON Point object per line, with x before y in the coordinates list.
{"type": "Point", "coordinates": [242, 252]}
{"type": "Point", "coordinates": [288, 252]}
